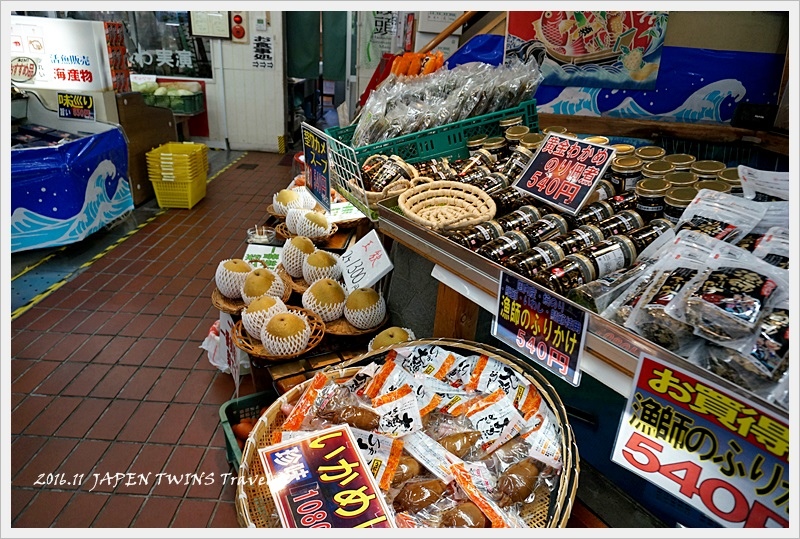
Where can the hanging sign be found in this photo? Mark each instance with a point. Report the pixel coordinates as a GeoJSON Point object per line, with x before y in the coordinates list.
{"type": "Point", "coordinates": [315, 151]}
{"type": "Point", "coordinates": [565, 171]}
{"type": "Point", "coordinates": [710, 448]}
{"type": "Point", "coordinates": [365, 263]}
{"type": "Point", "coordinates": [541, 326]}
{"type": "Point", "coordinates": [76, 106]}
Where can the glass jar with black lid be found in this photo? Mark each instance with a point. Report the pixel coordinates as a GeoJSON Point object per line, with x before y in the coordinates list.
{"type": "Point", "coordinates": [620, 223]}
{"type": "Point", "coordinates": [650, 198]}
{"type": "Point", "coordinates": [477, 235]}
{"type": "Point", "coordinates": [580, 238]}
{"type": "Point", "coordinates": [571, 272]}
{"type": "Point", "coordinates": [625, 173]}
{"type": "Point", "coordinates": [591, 213]}
{"type": "Point", "coordinates": [682, 161]}
{"type": "Point", "coordinates": [609, 255]}
{"type": "Point", "coordinates": [530, 262]}
{"type": "Point", "coordinates": [642, 237]}
{"type": "Point", "coordinates": [676, 200]}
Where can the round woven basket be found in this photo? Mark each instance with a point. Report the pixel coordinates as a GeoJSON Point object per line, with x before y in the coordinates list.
{"type": "Point", "coordinates": [550, 509]}
{"type": "Point", "coordinates": [255, 348]}
{"type": "Point", "coordinates": [297, 284]}
{"type": "Point", "coordinates": [446, 205]}
{"type": "Point", "coordinates": [373, 197]}
{"type": "Point", "coordinates": [225, 304]}
{"type": "Point", "coordinates": [342, 327]}
{"type": "Point", "coordinates": [284, 233]}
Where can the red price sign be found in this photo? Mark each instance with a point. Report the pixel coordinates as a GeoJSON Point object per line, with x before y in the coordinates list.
{"type": "Point", "coordinates": [715, 451]}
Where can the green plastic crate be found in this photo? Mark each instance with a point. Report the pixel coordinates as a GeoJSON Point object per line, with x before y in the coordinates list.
{"type": "Point", "coordinates": [233, 411]}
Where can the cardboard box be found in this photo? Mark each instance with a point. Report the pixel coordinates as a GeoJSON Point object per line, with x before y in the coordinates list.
{"type": "Point", "coordinates": [436, 21]}
{"type": "Point", "coordinates": [448, 46]}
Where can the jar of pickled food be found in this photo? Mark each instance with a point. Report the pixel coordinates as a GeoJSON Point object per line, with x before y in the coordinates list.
{"type": "Point", "coordinates": [556, 129]}
{"type": "Point", "coordinates": [650, 198]}
{"type": "Point", "coordinates": [437, 169]}
{"type": "Point", "coordinates": [623, 150]}
{"type": "Point", "coordinates": [530, 262]}
{"type": "Point", "coordinates": [682, 161]}
{"type": "Point", "coordinates": [580, 238]}
{"type": "Point", "coordinates": [676, 201]}
{"type": "Point", "coordinates": [531, 141]}
{"type": "Point", "coordinates": [481, 158]}
{"type": "Point", "coordinates": [394, 168]}
{"type": "Point", "coordinates": [620, 223]}
{"type": "Point", "coordinates": [657, 169]}
{"type": "Point", "coordinates": [517, 163]}
{"type": "Point", "coordinates": [514, 134]}
{"type": "Point", "coordinates": [497, 147]}
{"type": "Point", "coordinates": [625, 173]}
{"type": "Point", "coordinates": [642, 237]}
{"type": "Point", "coordinates": [545, 228]}
{"type": "Point", "coordinates": [571, 272]}
{"type": "Point", "coordinates": [592, 213]}
{"type": "Point", "coordinates": [509, 199]}
{"type": "Point", "coordinates": [519, 218]}
{"type": "Point", "coordinates": [623, 201]}
{"type": "Point", "coordinates": [491, 183]}
{"type": "Point", "coordinates": [609, 255]}
{"type": "Point", "coordinates": [681, 178]}
{"type": "Point", "coordinates": [510, 243]}
{"type": "Point", "coordinates": [477, 235]}
{"type": "Point", "coordinates": [369, 170]}
{"type": "Point", "coordinates": [731, 177]}
{"type": "Point", "coordinates": [707, 169]}
{"type": "Point", "coordinates": [511, 121]}
{"type": "Point", "coordinates": [650, 153]}
{"type": "Point", "coordinates": [597, 139]}
{"type": "Point", "coordinates": [603, 190]}
{"type": "Point", "coordinates": [714, 185]}
{"type": "Point", "coordinates": [475, 143]}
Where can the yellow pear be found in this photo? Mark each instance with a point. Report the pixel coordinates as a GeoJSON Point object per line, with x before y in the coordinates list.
{"type": "Point", "coordinates": [389, 336]}
{"type": "Point", "coordinates": [287, 196]}
{"type": "Point", "coordinates": [258, 282]}
{"type": "Point", "coordinates": [284, 325]}
{"type": "Point", "coordinates": [237, 265]}
{"type": "Point", "coordinates": [263, 303]}
{"type": "Point", "coordinates": [362, 298]}
{"type": "Point", "coordinates": [321, 259]}
{"type": "Point", "coordinates": [327, 292]}
{"type": "Point", "coordinates": [303, 244]}
{"type": "Point", "coordinates": [317, 218]}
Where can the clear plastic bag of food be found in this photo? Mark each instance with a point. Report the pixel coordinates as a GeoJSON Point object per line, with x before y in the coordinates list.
{"type": "Point", "coordinates": [774, 247]}
{"type": "Point", "coordinates": [764, 185]}
{"type": "Point", "coordinates": [721, 215]}
{"type": "Point", "coordinates": [776, 214]}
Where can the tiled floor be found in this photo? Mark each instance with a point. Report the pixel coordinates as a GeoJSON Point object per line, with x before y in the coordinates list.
{"type": "Point", "coordinates": [108, 377]}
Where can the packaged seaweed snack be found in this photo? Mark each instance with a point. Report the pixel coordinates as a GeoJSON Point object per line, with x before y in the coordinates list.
{"type": "Point", "coordinates": [727, 302]}
{"type": "Point", "coordinates": [721, 215]}
{"type": "Point", "coordinates": [776, 214]}
{"type": "Point", "coordinates": [774, 247]}
{"type": "Point", "coordinates": [763, 185]}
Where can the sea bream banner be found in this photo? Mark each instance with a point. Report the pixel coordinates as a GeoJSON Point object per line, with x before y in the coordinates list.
{"type": "Point", "coordinates": [596, 49]}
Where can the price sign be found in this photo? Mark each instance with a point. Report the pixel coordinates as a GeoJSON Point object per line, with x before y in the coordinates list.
{"type": "Point", "coordinates": [718, 452]}
{"type": "Point", "coordinates": [315, 151]}
{"type": "Point", "coordinates": [268, 254]}
{"type": "Point", "coordinates": [76, 106]}
{"type": "Point", "coordinates": [549, 330]}
{"type": "Point", "coordinates": [565, 171]}
{"type": "Point", "coordinates": [365, 263]}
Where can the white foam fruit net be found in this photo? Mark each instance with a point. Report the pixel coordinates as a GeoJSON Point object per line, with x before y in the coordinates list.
{"type": "Point", "coordinates": [327, 311]}
{"type": "Point", "coordinates": [276, 289]}
{"type": "Point", "coordinates": [304, 202]}
{"type": "Point", "coordinates": [292, 259]}
{"type": "Point", "coordinates": [411, 337]}
{"type": "Point", "coordinates": [230, 282]}
{"type": "Point", "coordinates": [312, 274]}
{"type": "Point", "coordinates": [292, 217]}
{"type": "Point", "coordinates": [283, 346]}
{"type": "Point", "coordinates": [310, 229]}
{"type": "Point", "coordinates": [369, 317]}
{"type": "Point", "coordinates": [254, 321]}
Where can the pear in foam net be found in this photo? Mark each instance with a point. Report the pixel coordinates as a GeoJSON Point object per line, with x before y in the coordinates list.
{"type": "Point", "coordinates": [230, 276]}
{"type": "Point", "coordinates": [325, 297]}
{"type": "Point", "coordinates": [286, 333]}
{"type": "Point", "coordinates": [295, 250]}
{"type": "Point", "coordinates": [262, 281]}
{"type": "Point", "coordinates": [321, 265]}
{"type": "Point", "coordinates": [365, 308]}
{"type": "Point", "coordinates": [258, 312]}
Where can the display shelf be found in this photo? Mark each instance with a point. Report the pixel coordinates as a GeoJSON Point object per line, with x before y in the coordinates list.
{"type": "Point", "coordinates": [612, 351]}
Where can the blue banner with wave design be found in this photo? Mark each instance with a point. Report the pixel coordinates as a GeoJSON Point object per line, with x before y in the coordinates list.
{"type": "Point", "coordinates": [61, 194]}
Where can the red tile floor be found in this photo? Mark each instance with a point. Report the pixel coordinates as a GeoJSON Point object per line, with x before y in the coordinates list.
{"type": "Point", "coordinates": [107, 373]}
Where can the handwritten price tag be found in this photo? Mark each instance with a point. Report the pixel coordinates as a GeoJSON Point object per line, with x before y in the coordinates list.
{"type": "Point", "coordinates": [365, 263]}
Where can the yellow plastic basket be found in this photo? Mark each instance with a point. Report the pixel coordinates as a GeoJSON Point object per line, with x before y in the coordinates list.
{"type": "Point", "coordinates": [179, 194]}
{"type": "Point", "coordinates": [184, 154]}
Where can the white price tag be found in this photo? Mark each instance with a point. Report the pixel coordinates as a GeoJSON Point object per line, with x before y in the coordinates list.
{"type": "Point", "coordinates": [365, 263]}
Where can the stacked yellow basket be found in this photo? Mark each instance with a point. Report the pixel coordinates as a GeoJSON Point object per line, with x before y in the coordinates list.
{"type": "Point", "coordinates": [178, 171]}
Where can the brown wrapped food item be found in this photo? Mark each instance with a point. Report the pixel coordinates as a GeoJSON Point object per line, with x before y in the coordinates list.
{"type": "Point", "coordinates": [417, 495]}
{"type": "Point", "coordinates": [355, 416]}
{"type": "Point", "coordinates": [407, 468]}
{"type": "Point", "coordinates": [517, 482]}
{"type": "Point", "coordinates": [464, 515]}
{"type": "Point", "coordinates": [460, 443]}
{"type": "Point", "coordinates": [512, 450]}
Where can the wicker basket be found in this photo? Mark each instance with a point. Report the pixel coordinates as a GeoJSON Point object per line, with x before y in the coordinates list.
{"type": "Point", "coordinates": [394, 189]}
{"type": "Point", "coordinates": [446, 205]}
{"type": "Point", "coordinates": [255, 348]}
{"type": "Point", "coordinates": [342, 327]}
{"type": "Point", "coordinates": [256, 508]}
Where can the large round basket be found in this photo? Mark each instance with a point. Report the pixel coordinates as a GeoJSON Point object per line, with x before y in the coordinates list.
{"type": "Point", "coordinates": [256, 508]}
{"type": "Point", "coordinates": [446, 205]}
{"type": "Point", "coordinates": [255, 348]}
{"type": "Point", "coordinates": [341, 326]}
{"type": "Point", "coordinates": [298, 284]}
{"type": "Point", "coordinates": [373, 197]}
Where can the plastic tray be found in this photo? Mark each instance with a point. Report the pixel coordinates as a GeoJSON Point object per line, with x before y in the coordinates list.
{"type": "Point", "coordinates": [233, 411]}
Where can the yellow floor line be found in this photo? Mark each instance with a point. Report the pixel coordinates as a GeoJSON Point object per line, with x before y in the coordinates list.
{"type": "Point", "coordinates": [226, 167]}
{"type": "Point", "coordinates": [39, 263]}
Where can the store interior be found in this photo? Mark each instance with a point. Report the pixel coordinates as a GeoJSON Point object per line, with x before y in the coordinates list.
{"type": "Point", "coordinates": [131, 358]}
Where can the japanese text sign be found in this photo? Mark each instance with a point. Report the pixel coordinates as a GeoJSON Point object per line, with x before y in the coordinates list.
{"type": "Point", "coordinates": [268, 254]}
{"type": "Point", "coordinates": [315, 150]}
{"type": "Point", "coordinates": [365, 263]}
{"type": "Point", "coordinates": [321, 480]}
{"type": "Point", "coordinates": [565, 171]}
{"type": "Point", "coordinates": [76, 106]}
{"type": "Point", "coordinates": [714, 450]}
{"type": "Point", "coordinates": [549, 330]}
